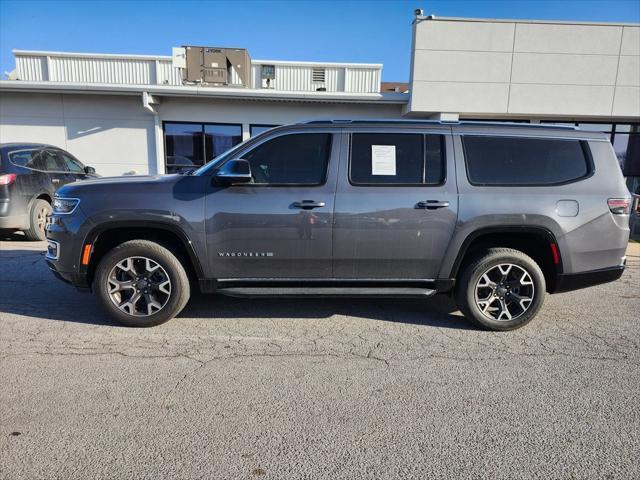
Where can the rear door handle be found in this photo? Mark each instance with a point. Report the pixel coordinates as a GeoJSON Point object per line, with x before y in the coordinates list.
{"type": "Point", "coordinates": [432, 204]}
{"type": "Point", "coordinates": [308, 204]}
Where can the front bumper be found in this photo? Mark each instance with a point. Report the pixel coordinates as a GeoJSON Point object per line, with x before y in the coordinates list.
{"type": "Point", "coordinates": [78, 280]}
{"type": "Point", "coordinates": [63, 253]}
{"type": "Point", "coordinates": [576, 281]}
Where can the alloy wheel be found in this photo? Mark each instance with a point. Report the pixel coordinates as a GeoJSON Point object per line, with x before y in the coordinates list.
{"type": "Point", "coordinates": [139, 286]}
{"type": "Point", "coordinates": [41, 218]}
{"type": "Point", "coordinates": [504, 292]}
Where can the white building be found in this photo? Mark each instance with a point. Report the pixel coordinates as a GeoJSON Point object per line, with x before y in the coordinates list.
{"type": "Point", "coordinates": [132, 113]}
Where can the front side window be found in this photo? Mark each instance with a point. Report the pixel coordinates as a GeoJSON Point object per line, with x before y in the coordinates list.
{"type": "Point", "coordinates": [73, 165]}
{"type": "Point", "coordinates": [294, 159]}
{"type": "Point", "coordinates": [524, 161]}
{"type": "Point", "coordinates": [396, 159]}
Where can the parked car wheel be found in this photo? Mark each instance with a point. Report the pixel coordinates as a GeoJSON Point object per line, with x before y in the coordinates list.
{"type": "Point", "coordinates": [38, 220]}
{"type": "Point", "coordinates": [141, 284]}
{"type": "Point", "coordinates": [501, 290]}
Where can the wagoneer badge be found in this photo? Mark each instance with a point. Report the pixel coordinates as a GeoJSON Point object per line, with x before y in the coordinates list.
{"type": "Point", "coordinates": [245, 254]}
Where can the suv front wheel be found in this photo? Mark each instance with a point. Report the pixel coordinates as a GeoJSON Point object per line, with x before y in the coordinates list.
{"type": "Point", "coordinates": [141, 284]}
{"type": "Point", "coordinates": [502, 289]}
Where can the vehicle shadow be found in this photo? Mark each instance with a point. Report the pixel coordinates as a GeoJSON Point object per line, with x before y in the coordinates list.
{"type": "Point", "coordinates": [12, 236]}
{"type": "Point", "coordinates": [436, 311]}
{"type": "Point", "coordinates": [30, 290]}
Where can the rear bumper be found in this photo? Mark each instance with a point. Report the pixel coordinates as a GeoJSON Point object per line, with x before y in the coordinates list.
{"type": "Point", "coordinates": [576, 281]}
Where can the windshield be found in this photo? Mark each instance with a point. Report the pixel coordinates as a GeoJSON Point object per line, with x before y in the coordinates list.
{"type": "Point", "coordinates": [220, 158]}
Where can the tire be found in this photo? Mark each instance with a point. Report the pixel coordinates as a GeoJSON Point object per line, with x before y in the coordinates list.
{"type": "Point", "coordinates": [37, 221]}
{"type": "Point", "coordinates": [483, 300]}
{"type": "Point", "coordinates": [123, 273]}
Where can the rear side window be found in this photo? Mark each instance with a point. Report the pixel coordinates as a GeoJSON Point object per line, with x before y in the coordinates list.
{"type": "Point", "coordinates": [295, 159]}
{"type": "Point", "coordinates": [21, 157]}
{"type": "Point", "coordinates": [396, 159]}
{"type": "Point", "coordinates": [45, 161]}
{"type": "Point", "coordinates": [525, 161]}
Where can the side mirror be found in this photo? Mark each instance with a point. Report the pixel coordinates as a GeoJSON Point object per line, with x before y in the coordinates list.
{"type": "Point", "coordinates": [234, 171]}
{"type": "Point", "coordinates": [90, 170]}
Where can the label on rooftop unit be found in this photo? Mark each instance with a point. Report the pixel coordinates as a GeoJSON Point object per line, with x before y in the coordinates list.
{"type": "Point", "coordinates": [383, 159]}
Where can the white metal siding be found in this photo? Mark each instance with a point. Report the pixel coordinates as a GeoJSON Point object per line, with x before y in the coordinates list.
{"type": "Point", "coordinates": [289, 76]}
{"type": "Point", "coordinates": [102, 70]}
{"type": "Point", "coordinates": [32, 68]}
{"type": "Point", "coordinates": [362, 80]}
{"type": "Point", "coordinates": [337, 79]}
{"type": "Point", "coordinates": [167, 75]}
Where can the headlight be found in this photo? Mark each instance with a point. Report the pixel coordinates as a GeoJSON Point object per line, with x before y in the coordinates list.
{"type": "Point", "coordinates": [65, 205]}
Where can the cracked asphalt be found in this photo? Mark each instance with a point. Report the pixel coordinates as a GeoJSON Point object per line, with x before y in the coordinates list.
{"type": "Point", "coordinates": [317, 389]}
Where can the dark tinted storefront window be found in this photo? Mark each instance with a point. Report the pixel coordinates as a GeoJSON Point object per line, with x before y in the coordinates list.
{"type": "Point", "coordinates": [626, 143]}
{"type": "Point", "coordinates": [220, 138]}
{"type": "Point", "coordinates": [524, 161]}
{"type": "Point", "coordinates": [190, 145]}
{"type": "Point", "coordinates": [258, 129]}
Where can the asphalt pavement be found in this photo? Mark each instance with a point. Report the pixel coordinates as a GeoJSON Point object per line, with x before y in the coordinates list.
{"type": "Point", "coordinates": [317, 389]}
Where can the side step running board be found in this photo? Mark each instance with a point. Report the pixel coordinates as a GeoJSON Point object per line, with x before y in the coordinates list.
{"type": "Point", "coordinates": [380, 292]}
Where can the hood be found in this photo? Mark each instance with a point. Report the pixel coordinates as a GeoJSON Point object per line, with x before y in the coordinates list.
{"type": "Point", "coordinates": [114, 185]}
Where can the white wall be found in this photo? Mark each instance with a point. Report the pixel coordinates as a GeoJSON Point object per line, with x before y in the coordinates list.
{"type": "Point", "coordinates": [267, 112]}
{"type": "Point", "coordinates": [112, 133]}
{"type": "Point", "coordinates": [525, 68]}
{"type": "Point", "coordinates": [115, 134]}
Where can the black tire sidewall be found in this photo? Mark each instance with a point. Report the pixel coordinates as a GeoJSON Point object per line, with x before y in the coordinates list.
{"type": "Point", "coordinates": [177, 275]}
{"type": "Point", "coordinates": [466, 292]}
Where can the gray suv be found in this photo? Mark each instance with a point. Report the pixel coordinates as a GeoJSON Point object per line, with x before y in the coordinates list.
{"type": "Point", "coordinates": [496, 214]}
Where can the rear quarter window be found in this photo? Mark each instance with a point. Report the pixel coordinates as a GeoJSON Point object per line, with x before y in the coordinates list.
{"type": "Point", "coordinates": [525, 161]}
{"type": "Point", "coordinates": [21, 158]}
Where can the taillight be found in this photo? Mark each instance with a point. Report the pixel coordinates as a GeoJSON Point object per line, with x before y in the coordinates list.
{"type": "Point", "coordinates": [8, 178]}
{"type": "Point", "coordinates": [619, 206]}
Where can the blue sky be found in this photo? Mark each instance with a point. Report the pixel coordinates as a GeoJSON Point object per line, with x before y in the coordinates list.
{"type": "Point", "coordinates": [347, 31]}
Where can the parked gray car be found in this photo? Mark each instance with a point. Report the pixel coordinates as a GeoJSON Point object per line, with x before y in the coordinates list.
{"type": "Point", "coordinates": [496, 214]}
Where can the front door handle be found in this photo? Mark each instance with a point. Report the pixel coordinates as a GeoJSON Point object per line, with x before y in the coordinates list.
{"type": "Point", "coordinates": [432, 204]}
{"type": "Point", "coordinates": [308, 204]}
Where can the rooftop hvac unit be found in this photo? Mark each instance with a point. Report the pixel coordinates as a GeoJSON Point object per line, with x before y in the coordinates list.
{"type": "Point", "coordinates": [222, 67]}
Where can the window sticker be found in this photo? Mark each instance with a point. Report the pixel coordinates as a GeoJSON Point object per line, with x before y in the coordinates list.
{"type": "Point", "coordinates": [383, 160]}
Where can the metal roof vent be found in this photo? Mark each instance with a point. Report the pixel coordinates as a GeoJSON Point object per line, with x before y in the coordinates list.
{"type": "Point", "coordinates": [318, 75]}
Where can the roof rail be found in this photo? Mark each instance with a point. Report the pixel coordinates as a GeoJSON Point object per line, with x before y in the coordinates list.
{"type": "Point", "coordinates": [438, 122]}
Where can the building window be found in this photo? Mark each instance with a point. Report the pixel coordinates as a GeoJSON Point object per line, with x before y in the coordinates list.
{"type": "Point", "coordinates": [191, 145]}
{"type": "Point", "coordinates": [626, 144]}
{"type": "Point", "coordinates": [255, 129]}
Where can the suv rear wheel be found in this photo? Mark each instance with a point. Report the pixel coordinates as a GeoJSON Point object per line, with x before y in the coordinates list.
{"type": "Point", "coordinates": [502, 289]}
{"type": "Point", "coordinates": [38, 220]}
{"type": "Point", "coordinates": [141, 284]}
